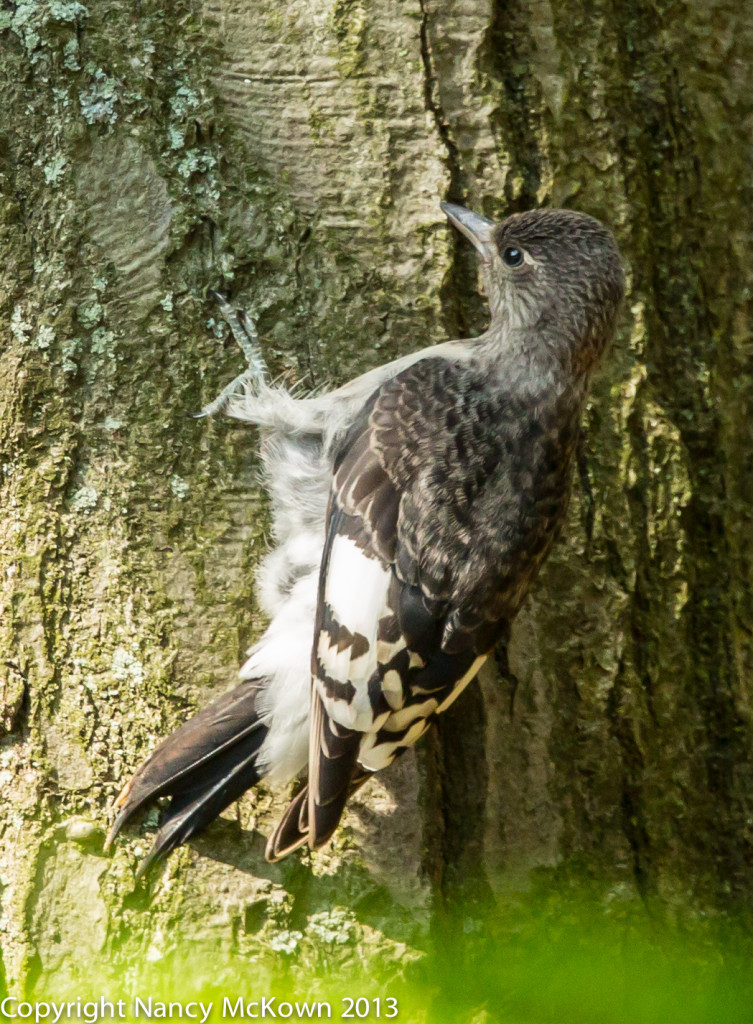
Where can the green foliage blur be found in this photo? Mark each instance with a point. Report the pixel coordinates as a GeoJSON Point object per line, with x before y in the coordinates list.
{"type": "Point", "coordinates": [539, 957]}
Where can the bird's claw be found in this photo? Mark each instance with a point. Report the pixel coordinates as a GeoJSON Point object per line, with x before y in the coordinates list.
{"type": "Point", "coordinates": [233, 390]}
{"type": "Point", "coordinates": [256, 375]}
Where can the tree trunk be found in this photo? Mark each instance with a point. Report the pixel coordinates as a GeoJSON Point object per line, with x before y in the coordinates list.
{"type": "Point", "coordinates": [293, 156]}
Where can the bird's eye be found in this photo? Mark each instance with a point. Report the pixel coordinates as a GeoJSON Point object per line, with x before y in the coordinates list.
{"type": "Point", "coordinates": [512, 256]}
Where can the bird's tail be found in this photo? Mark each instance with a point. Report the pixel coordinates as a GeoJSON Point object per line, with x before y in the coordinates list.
{"type": "Point", "coordinates": [293, 830]}
{"type": "Point", "coordinates": [204, 766]}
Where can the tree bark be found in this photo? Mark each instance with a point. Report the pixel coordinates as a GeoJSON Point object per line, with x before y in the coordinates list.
{"type": "Point", "coordinates": [293, 156]}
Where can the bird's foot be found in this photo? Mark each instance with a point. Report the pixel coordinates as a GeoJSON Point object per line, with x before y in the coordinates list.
{"type": "Point", "coordinates": [256, 376]}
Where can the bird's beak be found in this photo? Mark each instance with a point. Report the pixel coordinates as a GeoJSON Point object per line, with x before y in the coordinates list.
{"type": "Point", "coordinates": [476, 228]}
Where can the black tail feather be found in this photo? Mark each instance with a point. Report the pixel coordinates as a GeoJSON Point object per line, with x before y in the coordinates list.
{"type": "Point", "coordinates": [204, 766]}
{"type": "Point", "coordinates": [222, 781]}
{"type": "Point", "coordinates": [292, 830]}
{"type": "Point", "coordinates": [333, 762]}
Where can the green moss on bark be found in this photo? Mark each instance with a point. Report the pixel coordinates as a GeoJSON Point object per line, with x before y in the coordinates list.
{"type": "Point", "coordinates": [296, 161]}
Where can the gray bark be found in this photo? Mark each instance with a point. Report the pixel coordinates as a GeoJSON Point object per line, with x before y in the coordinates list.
{"type": "Point", "coordinates": [294, 156]}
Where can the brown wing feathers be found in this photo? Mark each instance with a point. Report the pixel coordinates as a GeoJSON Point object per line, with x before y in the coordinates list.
{"type": "Point", "coordinates": [332, 764]}
{"type": "Point", "coordinates": [378, 465]}
{"type": "Point", "coordinates": [313, 815]}
{"type": "Point", "coordinates": [293, 830]}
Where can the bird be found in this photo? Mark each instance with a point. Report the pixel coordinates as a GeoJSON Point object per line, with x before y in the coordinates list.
{"type": "Point", "coordinates": [412, 509]}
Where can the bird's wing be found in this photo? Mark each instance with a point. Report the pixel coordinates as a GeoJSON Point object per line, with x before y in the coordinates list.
{"type": "Point", "coordinates": [399, 530]}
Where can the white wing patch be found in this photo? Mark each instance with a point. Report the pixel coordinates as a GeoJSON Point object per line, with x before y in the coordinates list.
{"type": "Point", "coordinates": [373, 758]}
{"type": "Point", "coordinates": [356, 593]}
{"type": "Point", "coordinates": [392, 688]}
{"type": "Point", "coordinates": [349, 652]}
{"type": "Point", "coordinates": [386, 651]}
{"type": "Point", "coordinates": [356, 588]}
{"type": "Point", "coordinates": [340, 665]}
{"type": "Point", "coordinates": [401, 719]}
{"type": "Point", "coordinates": [411, 722]}
{"type": "Point", "coordinates": [357, 714]}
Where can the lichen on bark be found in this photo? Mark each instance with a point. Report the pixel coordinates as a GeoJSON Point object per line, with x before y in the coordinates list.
{"type": "Point", "coordinates": [294, 156]}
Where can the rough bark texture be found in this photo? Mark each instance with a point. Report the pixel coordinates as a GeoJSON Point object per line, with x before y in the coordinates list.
{"type": "Point", "coordinates": [293, 155]}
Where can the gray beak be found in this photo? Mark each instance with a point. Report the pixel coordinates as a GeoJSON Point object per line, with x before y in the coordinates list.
{"type": "Point", "coordinates": [476, 228]}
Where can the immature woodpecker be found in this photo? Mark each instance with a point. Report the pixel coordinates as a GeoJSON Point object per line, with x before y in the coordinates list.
{"type": "Point", "coordinates": [412, 510]}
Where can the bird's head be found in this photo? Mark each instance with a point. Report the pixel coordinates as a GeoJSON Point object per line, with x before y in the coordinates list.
{"type": "Point", "coordinates": [555, 272]}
